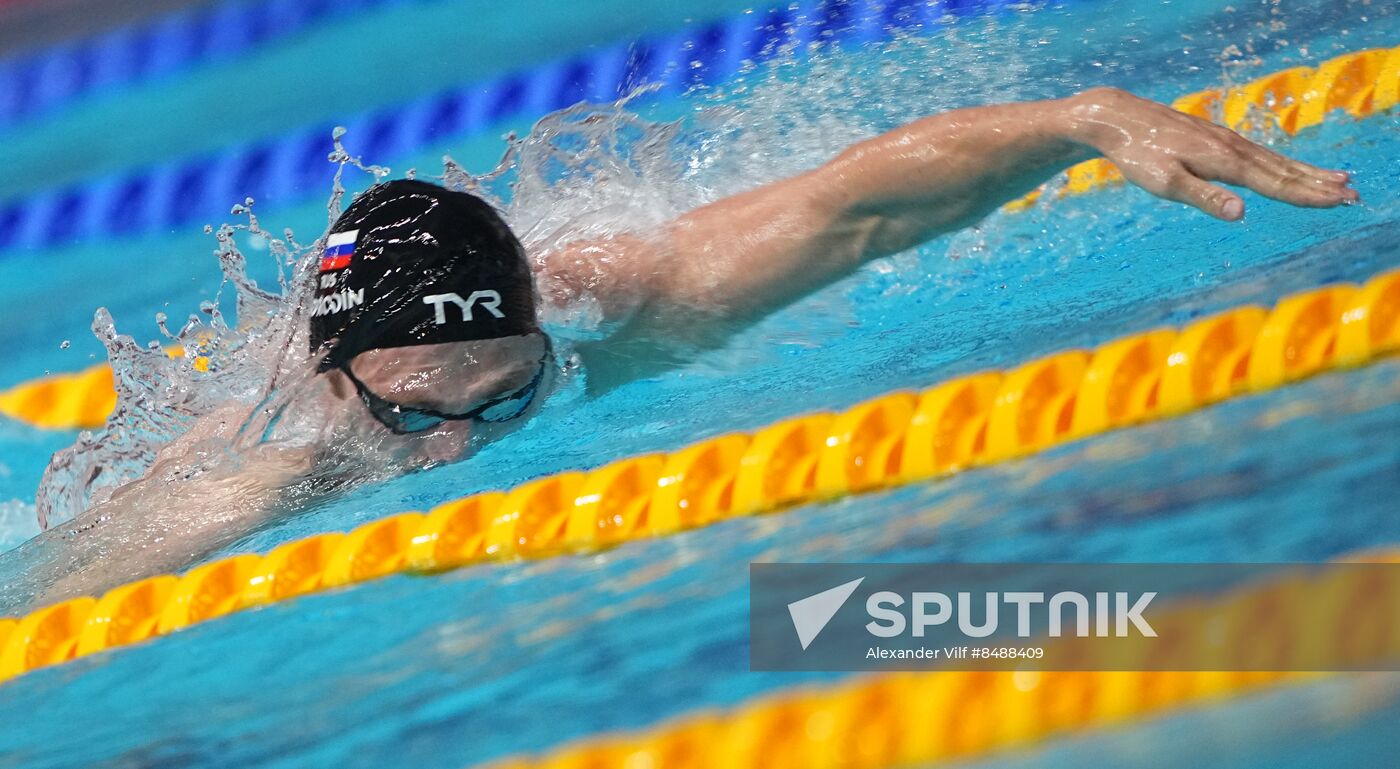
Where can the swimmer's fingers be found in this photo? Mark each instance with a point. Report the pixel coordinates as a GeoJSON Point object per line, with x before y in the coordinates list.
{"type": "Point", "coordinates": [1181, 185]}
{"type": "Point", "coordinates": [1284, 178]}
{"type": "Point", "coordinates": [1267, 156]}
{"type": "Point", "coordinates": [1277, 177]}
{"type": "Point", "coordinates": [1233, 144]}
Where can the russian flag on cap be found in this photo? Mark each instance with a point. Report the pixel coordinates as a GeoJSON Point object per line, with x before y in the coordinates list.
{"type": "Point", "coordinates": [340, 246]}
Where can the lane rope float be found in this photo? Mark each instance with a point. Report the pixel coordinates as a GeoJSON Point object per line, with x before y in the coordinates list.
{"type": "Point", "coordinates": [1362, 83]}
{"type": "Point", "coordinates": [895, 439]}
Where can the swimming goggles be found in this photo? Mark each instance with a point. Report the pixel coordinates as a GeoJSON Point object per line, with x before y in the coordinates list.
{"type": "Point", "coordinates": [403, 419]}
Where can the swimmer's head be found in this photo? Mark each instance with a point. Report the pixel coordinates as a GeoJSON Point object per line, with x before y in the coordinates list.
{"type": "Point", "coordinates": [424, 299]}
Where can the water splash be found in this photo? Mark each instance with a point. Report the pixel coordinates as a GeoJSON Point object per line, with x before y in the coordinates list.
{"type": "Point", "coordinates": [208, 364]}
{"type": "Point", "coordinates": [160, 394]}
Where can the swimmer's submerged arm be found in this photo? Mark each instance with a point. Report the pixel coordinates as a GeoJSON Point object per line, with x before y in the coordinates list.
{"type": "Point", "coordinates": [160, 523]}
{"type": "Point", "coordinates": [744, 256]}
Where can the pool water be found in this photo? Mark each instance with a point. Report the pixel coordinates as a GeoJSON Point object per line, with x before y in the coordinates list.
{"type": "Point", "coordinates": [456, 669]}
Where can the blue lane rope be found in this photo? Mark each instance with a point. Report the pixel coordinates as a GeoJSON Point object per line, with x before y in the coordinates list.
{"type": "Point", "coordinates": [287, 168]}
{"type": "Point", "coordinates": [41, 81]}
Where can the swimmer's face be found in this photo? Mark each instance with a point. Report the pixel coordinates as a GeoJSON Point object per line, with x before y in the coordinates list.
{"type": "Point", "coordinates": [453, 377]}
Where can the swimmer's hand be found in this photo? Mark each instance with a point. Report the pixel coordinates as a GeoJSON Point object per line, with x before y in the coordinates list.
{"type": "Point", "coordinates": [725, 264]}
{"type": "Point", "coordinates": [1177, 156]}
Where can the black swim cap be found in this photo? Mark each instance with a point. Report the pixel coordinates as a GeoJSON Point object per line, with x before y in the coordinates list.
{"type": "Point", "coordinates": [411, 263]}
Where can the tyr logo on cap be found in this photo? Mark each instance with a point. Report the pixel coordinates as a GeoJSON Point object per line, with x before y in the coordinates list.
{"type": "Point", "coordinates": [489, 299]}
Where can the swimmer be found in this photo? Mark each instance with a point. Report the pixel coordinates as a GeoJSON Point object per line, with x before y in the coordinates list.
{"type": "Point", "coordinates": [423, 324]}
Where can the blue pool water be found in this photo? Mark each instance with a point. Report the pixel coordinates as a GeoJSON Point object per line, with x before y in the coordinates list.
{"type": "Point", "coordinates": [451, 670]}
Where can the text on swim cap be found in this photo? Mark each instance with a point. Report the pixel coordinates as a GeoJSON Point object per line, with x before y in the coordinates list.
{"type": "Point", "coordinates": [489, 299]}
{"type": "Point", "coordinates": [337, 302]}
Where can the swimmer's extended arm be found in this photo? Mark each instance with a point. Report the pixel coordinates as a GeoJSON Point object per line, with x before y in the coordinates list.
{"type": "Point", "coordinates": [744, 256]}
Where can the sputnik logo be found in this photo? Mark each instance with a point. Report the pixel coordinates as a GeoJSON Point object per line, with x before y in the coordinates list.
{"type": "Point", "coordinates": [810, 615]}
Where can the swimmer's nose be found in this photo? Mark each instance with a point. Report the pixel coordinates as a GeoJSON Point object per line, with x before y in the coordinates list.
{"type": "Point", "coordinates": [447, 442]}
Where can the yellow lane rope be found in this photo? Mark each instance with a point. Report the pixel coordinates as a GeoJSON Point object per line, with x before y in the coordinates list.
{"type": "Point", "coordinates": [68, 401]}
{"type": "Point", "coordinates": [894, 719]}
{"type": "Point", "coordinates": [895, 439]}
{"type": "Point", "coordinates": [1362, 83]}
{"type": "Point", "coordinates": [63, 401]}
